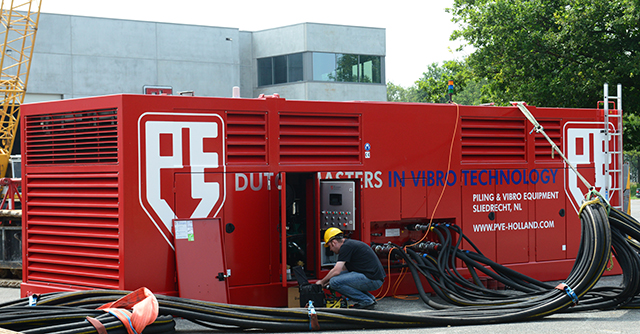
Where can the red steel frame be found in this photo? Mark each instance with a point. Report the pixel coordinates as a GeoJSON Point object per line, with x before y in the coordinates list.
{"type": "Point", "coordinates": [92, 219]}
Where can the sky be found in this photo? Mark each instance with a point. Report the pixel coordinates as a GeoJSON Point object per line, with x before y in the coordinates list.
{"type": "Point", "coordinates": [417, 30]}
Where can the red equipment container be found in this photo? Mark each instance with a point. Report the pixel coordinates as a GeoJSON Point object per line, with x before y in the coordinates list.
{"type": "Point", "coordinates": [105, 178]}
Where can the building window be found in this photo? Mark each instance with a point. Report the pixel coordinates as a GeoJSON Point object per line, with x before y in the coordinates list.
{"type": "Point", "coordinates": [346, 67]}
{"type": "Point", "coordinates": [265, 71]}
{"type": "Point", "coordinates": [280, 69]}
{"type": "Point", "coordinates": [340, 67]}
{"type": "Point", "coordinates": [370, 69]}
{"type": "Point", "coordinates": [324, 66]}
{"type": "Point", "coordinates": [295, 67]}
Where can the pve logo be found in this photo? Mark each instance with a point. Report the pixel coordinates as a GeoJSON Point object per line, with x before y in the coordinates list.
{"type": "Point", "coordinates": [181, 167]}
{"type": "Point", "coordinates": [585, 144]}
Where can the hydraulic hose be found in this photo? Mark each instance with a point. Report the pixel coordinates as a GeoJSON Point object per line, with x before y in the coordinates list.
{"type": "Point", "coordinates": [458, 301]}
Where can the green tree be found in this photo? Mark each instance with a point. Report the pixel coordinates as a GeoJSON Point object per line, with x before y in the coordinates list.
{"type": "Point", "coordinates": [554, 53]}
{"type": "Point", "coordinates": [632, 154]}
{"type": "Point", "coordinates": [433, 86]}
{"type": "Point", "coordinates": [357, 68]}
{"type": "Point", "coordinates": [397, 93]}
{"type": "Point", "coordinates": [474, 93]}
{"type": "Point", "coordinates": [347, 68]}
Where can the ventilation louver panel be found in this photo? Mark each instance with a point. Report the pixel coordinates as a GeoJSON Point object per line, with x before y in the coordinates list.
{"type": "Point", "coordinates": [72, 229]}
{"type": "Point", "coordinates": [246, 138]}
{"type": "Point", "coordinates": [553, 129]}
{"type": "Point", "coordinates": [319, 139]}
{"type": "Point", "coordinates": [75, 137]}
{"type": "Point", "coordinates": [493, 140]}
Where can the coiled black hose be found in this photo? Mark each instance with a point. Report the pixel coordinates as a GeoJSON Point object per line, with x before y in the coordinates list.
{"type": "Point", "coordinates": [459, 301]}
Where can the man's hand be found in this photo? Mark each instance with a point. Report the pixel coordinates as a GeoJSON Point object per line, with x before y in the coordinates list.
{"type": "Point", "coordinates": [335, 271]}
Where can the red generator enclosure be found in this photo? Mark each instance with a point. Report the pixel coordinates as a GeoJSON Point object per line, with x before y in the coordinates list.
{"type": "Point", "coordinates": [116, 188]}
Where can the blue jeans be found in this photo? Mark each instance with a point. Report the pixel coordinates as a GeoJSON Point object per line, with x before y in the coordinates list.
{"type": "Point", "coordinates": [355, 286]}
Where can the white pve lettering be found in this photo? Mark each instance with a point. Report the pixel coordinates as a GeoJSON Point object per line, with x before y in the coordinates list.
{"type": "Point", "coordinates": [156, 162]}
{"type": "Point", "coordinates": [208, 192]}
{"type": "Point", "coordinates": [367, 177]}
{"type": "Point", "coordinates": [254, 180]}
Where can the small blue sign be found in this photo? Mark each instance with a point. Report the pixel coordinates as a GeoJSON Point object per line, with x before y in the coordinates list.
{"type": "Point", "coordinates": [367, 147]}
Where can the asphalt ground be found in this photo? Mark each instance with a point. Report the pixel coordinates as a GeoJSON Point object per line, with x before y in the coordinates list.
{"type": "Point", "coordinates": [618, 321]}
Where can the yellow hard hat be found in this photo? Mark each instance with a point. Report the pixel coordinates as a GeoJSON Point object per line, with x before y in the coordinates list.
{"type": "Point", "coordinates": [329, 234]}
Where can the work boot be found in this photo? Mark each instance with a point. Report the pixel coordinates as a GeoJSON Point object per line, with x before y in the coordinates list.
{"type": "Point", "coordinates": [365, 307]}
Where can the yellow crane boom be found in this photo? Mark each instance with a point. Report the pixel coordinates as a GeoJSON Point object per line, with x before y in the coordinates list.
{"type": "Point", "coordinates": [20, 23]}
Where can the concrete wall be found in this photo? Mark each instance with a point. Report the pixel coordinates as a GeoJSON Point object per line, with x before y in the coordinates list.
{"type": "Point", "coordinates": [247, 73]}
{"type": "Point", "coordinates": [316, 37]}
{"type": "Point", "coordinates": [339, 91]}
{"type": "Point", "coordinates": [346, 39]}
{"type": "Point", "coordinates": [84, 56]}
{"type": "Point", "coordinates": [77, 56]}
{"type": "Point", "coordinates": [278, 41]}
{"type": "Point", "coordinates": [327, 91]}
{"type": "Point", "coordinates": [293, 91]}
{"type": "Point", "coordinates": [51, 70]}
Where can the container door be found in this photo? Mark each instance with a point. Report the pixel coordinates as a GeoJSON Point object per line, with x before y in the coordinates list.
{"type": "Point", "coordinates": [479, 217]}
{"type": "Point", "coordinates": [513, 226]}
{"type": "Point", "coordinates": [246, 225]}
{"type": "Point", "coordinates": [550, 202]}
{"type": "Point", "coordinates": [282, 181]}
{"type": "Point", "coordinates": [244, 217]}
{"type": "Point", "coordinates": [201, 277]}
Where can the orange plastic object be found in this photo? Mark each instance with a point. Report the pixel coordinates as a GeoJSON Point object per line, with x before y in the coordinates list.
{"type": "Point", "coordinates": [144, 306]}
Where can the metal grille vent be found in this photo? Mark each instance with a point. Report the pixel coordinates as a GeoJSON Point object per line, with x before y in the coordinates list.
{"type": "Point", "coordinates": [72, 229]}
{"type": "Point", "coordinates": [246, 138]}
{"type": "Point", "coordinates": [553, 129]}
{"type": "Point", "coordinates": [318, 139]}
{"type": "Point", "coordinates": [493, 140]}
{"type": "Point", "coordinates": [74, 137]}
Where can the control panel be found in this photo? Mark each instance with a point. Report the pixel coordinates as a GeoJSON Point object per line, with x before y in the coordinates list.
{"type": "Point", "coordinates": [327, 257]}
{"type": "Point", "coordinates": [337, 204]}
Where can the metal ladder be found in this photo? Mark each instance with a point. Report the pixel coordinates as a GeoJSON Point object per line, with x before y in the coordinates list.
{"type": "Point", "coordinates": [613, 148]}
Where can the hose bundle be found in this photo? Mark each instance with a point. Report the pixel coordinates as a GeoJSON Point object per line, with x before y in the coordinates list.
{"type": "Point", "coordinates": [459, 301]}
{"type": "Point", "coordinates": [603, 235]}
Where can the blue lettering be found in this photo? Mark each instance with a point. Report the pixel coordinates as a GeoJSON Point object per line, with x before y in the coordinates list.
{"type": "Point", "coordinates": [474, 177]}
{"type": "Point", "coordinates": [531, 176]}
{"type": "Point", "coordinates": [464, 173]}
{"type": "Point", "coordinates": [544, 178]}
{"type": "Point", "coordinates": [455, 178]}
{"type": "Point", "coordinates": [484, 171]}
{"type": "Point", "coordinates": [487, 177]}
{"type": "Point", "coordinates": [513, 176]}
{"type": "Point", "coordinates": [390, 179]}
{"type": "Point", "coordinates": [396, 176]}
{"type": "Point", "coordinates": [493, 177]}
{"type": "Point", "coordinates": [416, 180]}
{"type": "Point", "coordinates": [553, 173]}
{"type": "Point", "coordinates": [504, 176]}
{"type": "Point", "coordinates": [440, 178]}
{"type": "Point", "coordinates": [430, 178]}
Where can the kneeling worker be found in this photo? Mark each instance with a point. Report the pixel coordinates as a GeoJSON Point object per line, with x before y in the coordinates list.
{"type": "Point", "coordinates": [357, 271]}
